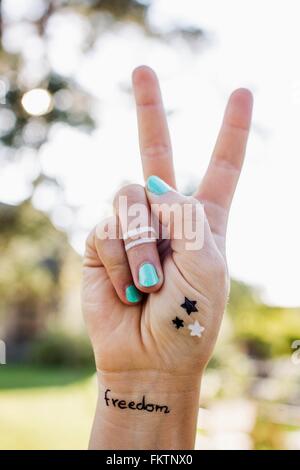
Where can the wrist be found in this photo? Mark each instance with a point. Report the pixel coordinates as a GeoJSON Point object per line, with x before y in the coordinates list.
{"type": "Point", "coordinates": [159, 406]}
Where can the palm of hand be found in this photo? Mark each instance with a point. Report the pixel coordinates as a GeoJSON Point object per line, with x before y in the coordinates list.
{"type": "Point", "coordinates": [144, 336]}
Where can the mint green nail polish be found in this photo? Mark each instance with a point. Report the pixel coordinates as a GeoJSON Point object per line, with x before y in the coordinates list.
{"type": "Point", "coordinates": [157, 186]}
{"type": "Point", "coordinates": [132, 294]}
{"type": "Point", "coordinates": [147, 275]}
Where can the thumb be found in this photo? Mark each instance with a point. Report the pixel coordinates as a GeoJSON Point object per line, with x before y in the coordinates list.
{"type": "Point", "coordinates": [182, 217]}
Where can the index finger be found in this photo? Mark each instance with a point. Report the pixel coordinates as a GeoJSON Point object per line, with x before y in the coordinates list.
{"type": "Point", "coordinates": [154, 137]}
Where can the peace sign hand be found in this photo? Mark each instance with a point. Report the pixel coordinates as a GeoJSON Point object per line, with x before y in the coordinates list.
{"type": "Point", "coordinates": [153, 310]}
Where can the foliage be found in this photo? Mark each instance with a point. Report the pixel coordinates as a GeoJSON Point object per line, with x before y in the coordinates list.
{"type": "Point", "coordinates": [33, 257]}
{"type": "Point", "coordinates": [264, 331]}
{"type": "Point", "coordinates": [60, 349]}
{"type": "Point", "coordinates": [26, 267]}
{"type": "Point", "coordinates": [32, 285]}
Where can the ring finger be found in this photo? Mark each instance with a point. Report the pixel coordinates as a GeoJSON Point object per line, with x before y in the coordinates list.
{"type": "Point", "coordinates": [139, 236]}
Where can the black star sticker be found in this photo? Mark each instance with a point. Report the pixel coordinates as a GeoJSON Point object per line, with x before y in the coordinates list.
{"type": "Point", "coordinates": [178, 323]}
{"type": "Point", "coordinates": [189, 306]}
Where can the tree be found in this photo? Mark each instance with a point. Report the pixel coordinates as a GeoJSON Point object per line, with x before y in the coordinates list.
{"type": "Point", "coordinates": [32, 264]}
{"type": "Point", "coordinates": [22, 128]}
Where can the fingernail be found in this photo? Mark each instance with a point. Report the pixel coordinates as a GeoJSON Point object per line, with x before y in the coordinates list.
{"type": "Point", "coordinates": [157, 186]}
{"type": "Point", "coordinates": [147, 275]}
{"type": "Point", "coordinates": [132, 294]}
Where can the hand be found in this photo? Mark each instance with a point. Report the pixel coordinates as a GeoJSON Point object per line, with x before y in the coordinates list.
{"type": "Point", "coordinates": [153, 312]}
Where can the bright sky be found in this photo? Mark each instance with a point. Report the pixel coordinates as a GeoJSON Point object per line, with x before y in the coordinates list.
{"type": "Point", "coordinates": [251, 43]}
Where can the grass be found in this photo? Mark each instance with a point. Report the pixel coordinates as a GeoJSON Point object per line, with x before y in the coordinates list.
{"type": "Point", "coordinates": [45, 408]}
{"type": "Point", "coordinates": [15, 377]}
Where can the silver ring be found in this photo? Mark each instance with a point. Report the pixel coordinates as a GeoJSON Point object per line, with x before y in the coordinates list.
{"type": "Point", "coordinates": [140, 241]}
{"type": "Point", "coordinates": [137, 231]}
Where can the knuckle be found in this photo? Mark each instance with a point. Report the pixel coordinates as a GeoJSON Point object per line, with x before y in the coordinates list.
{"type": "Point", "coordinates": [89, 242]}
{"type": "Point", "coordinates": [116, 267]}
{"type": "Point", "coordinates": [90, 257]}
{"type": "Point", "coordinates": [106, 227]}
{"type": "Point", "coordinates": [133, 192]}
{"type": "Point", "coordinates": [157, 150]}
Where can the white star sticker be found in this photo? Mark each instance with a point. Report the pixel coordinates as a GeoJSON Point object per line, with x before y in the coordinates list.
{"type": "Point", "coordinates": [196, 329]}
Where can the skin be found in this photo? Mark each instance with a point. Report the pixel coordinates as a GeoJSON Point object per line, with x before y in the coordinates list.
{"type": "Point", "coordinates": [138, 351]}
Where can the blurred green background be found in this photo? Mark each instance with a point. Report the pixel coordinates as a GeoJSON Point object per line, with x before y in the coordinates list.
{"type": "Point", "coordinates": [251, 391]}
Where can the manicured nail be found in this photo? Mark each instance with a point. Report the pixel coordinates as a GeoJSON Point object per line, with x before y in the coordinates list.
{"type": "Point", "coordinates": [157, 186]}
{"type": "Point", "coordinates": [132, 294]}
{"type": "Point", "coordinates": [147, 275]}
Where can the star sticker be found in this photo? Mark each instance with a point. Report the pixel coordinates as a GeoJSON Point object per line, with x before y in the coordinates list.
{"type": "Point", "coordinates": [189, 306]}
{"type": "Point", "coordinates": [178, 323]}
{"type": "Point", "coordinates": [196, 329]}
